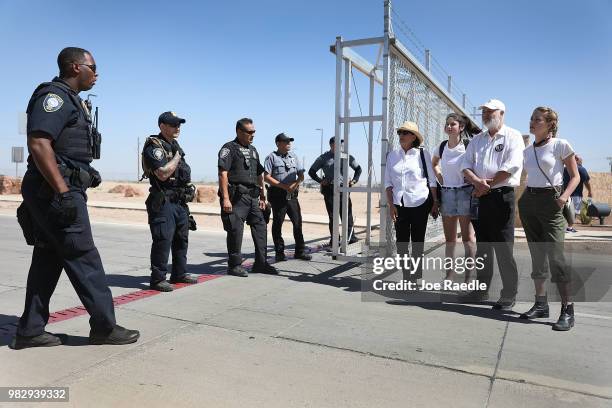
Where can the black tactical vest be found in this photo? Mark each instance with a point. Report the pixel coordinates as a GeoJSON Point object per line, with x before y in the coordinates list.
{"type": "Point", "coordinates": [75, 140]}
{"type": "Point", "coordinates": [244, 164]}
{"type": "Point", "coordinates": [182, 175]}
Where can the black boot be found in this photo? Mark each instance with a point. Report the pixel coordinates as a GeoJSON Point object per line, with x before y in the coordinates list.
{"type": "Point", "coordinates": [566, 318]}
{"type": "Point", "coordinates": [538, 310]}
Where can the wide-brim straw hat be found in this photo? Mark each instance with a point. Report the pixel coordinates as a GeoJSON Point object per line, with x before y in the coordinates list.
{"type": "Point", "coordinates": [412, 128]}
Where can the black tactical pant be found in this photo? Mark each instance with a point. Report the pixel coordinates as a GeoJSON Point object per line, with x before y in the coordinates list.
{"type": "Point", "coordinates": [495, 233]}
{"type": "Point", "coordinates": [328, 196]}
{"type": "Point", "coordinates": [245, 208]}
{"type": "Point", "coordinates": [68, 248]}
{"type": "Point", "coordinates": [282, 206]}
{"type": "Point", "coordinates": [170, 231]}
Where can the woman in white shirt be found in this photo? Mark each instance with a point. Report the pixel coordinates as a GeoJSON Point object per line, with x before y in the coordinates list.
{"type": "Point", "coordinates": [456, 193]}
{"type": "Point", "coordinates": [541, 212]}
{"type": "Point", "coordinates": [411, 193]}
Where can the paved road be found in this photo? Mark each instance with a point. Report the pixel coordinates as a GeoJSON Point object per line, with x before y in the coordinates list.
{"type": "Point", "coordinates": [304, 338]}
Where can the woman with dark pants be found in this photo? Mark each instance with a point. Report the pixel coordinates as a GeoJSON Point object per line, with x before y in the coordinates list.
{"type": "Point", "coordinates": [541, 213]}
{"type": "Point", "coordinates": [411, 193]}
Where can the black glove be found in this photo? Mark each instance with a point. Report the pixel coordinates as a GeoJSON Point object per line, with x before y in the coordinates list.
{"type": "Point", "coordinates": [96, 179]}
{"type": "Point", "coordinates": [63, 211]}
{"type": "Point", "coordinates": [192, 223]}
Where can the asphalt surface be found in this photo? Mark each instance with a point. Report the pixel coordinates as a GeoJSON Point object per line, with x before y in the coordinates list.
{"type": "Point", "coordinates": [305, 338]}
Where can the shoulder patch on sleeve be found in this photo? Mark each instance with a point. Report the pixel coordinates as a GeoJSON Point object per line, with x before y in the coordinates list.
{"type": "Point", "coordinates": [52, 103]}
{"type": "Point", "coordinates": [158, 153]}
{"type": "Point", "coordinates": [224, 152]}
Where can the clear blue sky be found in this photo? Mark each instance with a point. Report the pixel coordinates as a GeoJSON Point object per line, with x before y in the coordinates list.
{"type": "Point", "coordinates": [213, 62]}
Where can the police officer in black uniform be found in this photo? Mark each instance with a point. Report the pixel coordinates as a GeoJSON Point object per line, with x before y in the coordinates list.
{"type": "Point", "coordinates": [242, 199]}
{"type": "Point", "coordinates": [326, 163]}
{"type": "Point", "coordinates": [164, 164]}
{"type": "Point", "coordinates": [62, 144]}
{"type": "Point", "coordinates": [284, 173]}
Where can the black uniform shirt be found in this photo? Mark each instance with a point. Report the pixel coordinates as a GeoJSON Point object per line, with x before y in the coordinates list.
{"type": "Point", "coordinates": [232, 157]}
{"type": "Point", "coordinates": [50, 111]}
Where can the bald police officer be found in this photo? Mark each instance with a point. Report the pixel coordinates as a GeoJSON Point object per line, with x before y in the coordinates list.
{"type": "Point", "coordinates": [326, 162]}
{"type": "Point", "coordinates": [171, 189]}
{"type": "Point", "coordinates": [62, 143]}
{"type": "Point", "coordinates": [242, 199]}
{"type": "Point", "coordinates": [284, 173]}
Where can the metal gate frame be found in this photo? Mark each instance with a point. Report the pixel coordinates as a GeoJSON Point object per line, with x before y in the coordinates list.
{"type": "Point", "coordinates": [347, 59]}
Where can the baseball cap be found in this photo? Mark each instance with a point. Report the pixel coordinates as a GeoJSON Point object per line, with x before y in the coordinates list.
{"type": "Point", "coordinates": [170, 118]}
{"type": "Point", "coordinates": [494, 104]}
{"type": "Point", "coordinates": [281, 137]}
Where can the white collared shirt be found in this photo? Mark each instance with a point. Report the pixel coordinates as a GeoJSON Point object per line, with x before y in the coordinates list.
{"type": "Point", "coordinates": [404, 172]}
{"type": "Point", "coordinates": [486, 155]}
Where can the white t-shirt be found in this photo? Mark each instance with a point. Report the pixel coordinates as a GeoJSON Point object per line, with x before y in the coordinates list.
{"type": "Point", "coordinates": [550, 157]}
{"type": "Point", "coordinates": [450, 163]}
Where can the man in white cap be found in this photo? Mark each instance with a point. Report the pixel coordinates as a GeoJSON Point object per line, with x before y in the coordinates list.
{"type": "Point", "coordinates": [492, 164]}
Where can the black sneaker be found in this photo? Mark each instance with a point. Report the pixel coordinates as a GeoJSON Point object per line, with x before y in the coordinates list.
{"type": "Point", "coordinates": [238, 270]}
{"type": "Point", "coordinates": [303, 256]}
{"type": "Point", "coordinates": [280, 257]}
{"type": "Point", "coordinates": [353, 239]}
{"type": "Point", "coordinates": [163, 286]}
{"type": "Point", "coordinates": [42, 340]}
{"type": "Point", "coordinates": [265, 268]}
{"type": "Point", "coordinates": [186, 278]}
{"type": "Point", "coordinates": [118, 336]}
{"type": "Point", "coordinates": [505, 304]}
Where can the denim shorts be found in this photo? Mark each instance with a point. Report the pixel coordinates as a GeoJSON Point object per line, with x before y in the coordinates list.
{"type": "Point", "coordinates": [456, 201]}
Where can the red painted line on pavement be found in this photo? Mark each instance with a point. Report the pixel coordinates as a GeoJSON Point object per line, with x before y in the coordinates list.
{"type": "Point", "coordinates": [77, 311]}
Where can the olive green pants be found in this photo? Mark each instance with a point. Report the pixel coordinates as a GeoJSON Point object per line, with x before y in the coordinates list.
{"type": "Point", "coordinates": [544, 227]}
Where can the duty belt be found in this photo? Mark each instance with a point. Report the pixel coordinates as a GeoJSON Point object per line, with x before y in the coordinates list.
{"type": "Point", "coordinates": [77, 177]}
{"type": "Point", "coordinates": [244, 189]}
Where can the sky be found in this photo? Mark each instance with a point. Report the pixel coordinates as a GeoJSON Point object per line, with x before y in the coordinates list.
{"type": "Point", "coordinates": [215, 62]}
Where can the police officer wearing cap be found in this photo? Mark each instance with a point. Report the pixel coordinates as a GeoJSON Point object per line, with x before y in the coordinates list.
{"type": "Point", "coordinates": [171, 189]}
{"type": "Point", "coordinates": [326, 162]}
{"type": "Point", "coordinates": [62, 143]}
{"type": "Point", "coordinates": [284, 173]}
{"type": "Point", "coordinates": [242, 199]}
{"type": "Point", "coordinates": [492, 164]}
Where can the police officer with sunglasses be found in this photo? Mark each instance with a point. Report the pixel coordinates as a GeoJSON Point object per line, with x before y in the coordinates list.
{"type": "Point", "coordinates": [242, 198]}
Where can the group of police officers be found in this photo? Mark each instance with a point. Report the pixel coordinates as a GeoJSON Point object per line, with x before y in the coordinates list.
{"type": "Point", "coordinates": [63, 141]}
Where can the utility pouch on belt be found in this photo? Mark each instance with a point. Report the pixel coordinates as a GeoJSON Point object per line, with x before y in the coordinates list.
{"type": "Point", "coordinates": [25, 222]}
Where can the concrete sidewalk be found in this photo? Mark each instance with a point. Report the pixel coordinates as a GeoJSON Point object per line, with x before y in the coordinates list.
{"type": "Point", "coordinates": [302, 339]}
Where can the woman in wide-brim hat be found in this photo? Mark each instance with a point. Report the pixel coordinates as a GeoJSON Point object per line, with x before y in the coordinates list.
{"type": "Point", "coordinates": [410, 185]}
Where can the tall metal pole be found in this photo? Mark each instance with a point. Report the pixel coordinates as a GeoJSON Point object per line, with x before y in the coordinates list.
{"type": "Point", "coordinates": [384, 132]}
{"type": "Point", "coordinates": [321, 130]}
{"type": "Point", "coordinates": [335, 224]}
{"type": "Point", "coordinates": [138, 158]}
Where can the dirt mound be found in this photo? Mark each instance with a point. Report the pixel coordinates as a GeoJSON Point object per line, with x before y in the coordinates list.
{"type": "Point", "coordinates": [206, 194]}
{"type": "Point", "coordinates": [130, 191]}
{"type": "Point", "coordinates": [10, 185]}
{"type": "Point", "coordinates": [119, 188]}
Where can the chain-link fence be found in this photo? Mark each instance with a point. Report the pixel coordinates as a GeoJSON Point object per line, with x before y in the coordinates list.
{"type": "Point", "coordinates": [411, 97]}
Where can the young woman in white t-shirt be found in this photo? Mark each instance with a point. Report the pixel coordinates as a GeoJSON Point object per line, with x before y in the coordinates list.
{"type": "Point", "coordinates": [455, 192]}
{"type": "Point", "coordinates": [541, 213]}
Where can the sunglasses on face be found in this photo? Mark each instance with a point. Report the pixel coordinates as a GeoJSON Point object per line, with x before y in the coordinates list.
{"type": "Point", "coordinates": [178, 125]}
{"type": "Point", "coordinates": [404, 132]}
{"type": "Point", "coordinates": [90, 66]}
{"type": "Point", "coordinates": [250, 132]}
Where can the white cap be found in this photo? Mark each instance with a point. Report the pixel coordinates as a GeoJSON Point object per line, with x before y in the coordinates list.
{"type": "Point", "coordinates": [494, 104]}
